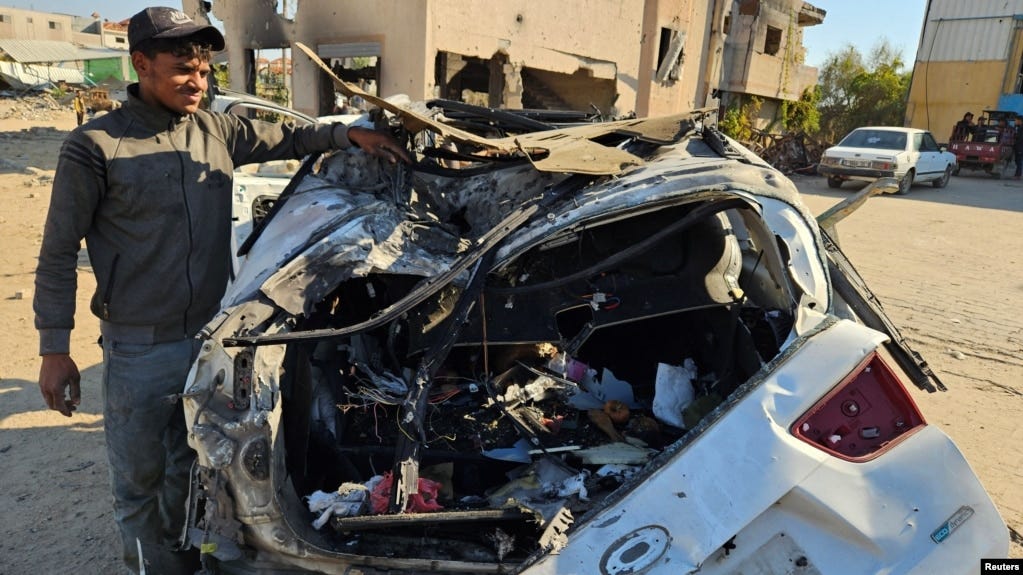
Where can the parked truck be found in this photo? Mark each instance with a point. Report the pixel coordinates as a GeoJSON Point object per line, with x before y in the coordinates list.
{"type": "Point", "coordinates": [986, 150]}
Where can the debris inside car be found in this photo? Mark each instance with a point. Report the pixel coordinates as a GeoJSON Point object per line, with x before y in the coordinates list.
{"type": "Point", "coordinates": [476, 369]}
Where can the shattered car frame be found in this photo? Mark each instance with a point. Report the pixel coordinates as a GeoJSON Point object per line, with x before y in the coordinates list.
{"type": "Point", "coordinates": [510, 359]}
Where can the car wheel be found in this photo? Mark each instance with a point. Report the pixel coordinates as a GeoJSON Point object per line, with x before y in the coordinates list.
{"type": "Point", "coordinates": [956, 171]}
{"type": "Point", "coordinates": [834, 182]}
{"type": "Point", "coordinates": [945, 177]}
{"type": "Point", "coordinates": [905, 183]}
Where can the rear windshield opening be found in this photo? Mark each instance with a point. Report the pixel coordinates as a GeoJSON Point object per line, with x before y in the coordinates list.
{"type": "Point", "coordinates": [584, 359]}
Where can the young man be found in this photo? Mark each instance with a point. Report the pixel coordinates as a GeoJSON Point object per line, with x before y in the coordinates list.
{"type": "Point", "coordinates": [148, 187]}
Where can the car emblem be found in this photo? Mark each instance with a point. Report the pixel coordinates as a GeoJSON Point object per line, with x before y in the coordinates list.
{"type": "Point", "coordinates": [637, 551]}
{"type": "Point", "coordinates": [952, 523]}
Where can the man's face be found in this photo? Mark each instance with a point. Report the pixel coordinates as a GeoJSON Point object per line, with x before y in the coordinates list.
{"type": "Point", "coordinates": [174, 82]}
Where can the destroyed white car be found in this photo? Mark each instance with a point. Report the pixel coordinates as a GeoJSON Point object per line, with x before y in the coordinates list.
{"type": "Point", "coordinates": [610, 348]}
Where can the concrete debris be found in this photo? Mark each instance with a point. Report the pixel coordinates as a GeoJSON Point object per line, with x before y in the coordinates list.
{"type": "Point", "coordinates": [33, 107]}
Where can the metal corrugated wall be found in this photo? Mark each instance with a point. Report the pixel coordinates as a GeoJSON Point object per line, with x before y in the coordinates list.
{"type": "Point", "coordinates": [969, 31]}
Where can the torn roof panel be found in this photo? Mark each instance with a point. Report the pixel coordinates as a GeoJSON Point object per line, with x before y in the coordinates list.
{"type": "Point", "coordinates": [29, 76]}
{"type": "Point", "coordinates": [568, 149]}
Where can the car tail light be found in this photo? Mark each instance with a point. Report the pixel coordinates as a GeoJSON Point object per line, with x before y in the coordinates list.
{"type": "Point", "coordinates": [882, 165]}
{"type": "Point", "coordinates": [864, 416]}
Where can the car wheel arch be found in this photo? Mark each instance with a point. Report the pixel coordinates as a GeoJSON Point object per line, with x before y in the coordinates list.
{"type": "Point", "coordinates": [906, 182]}
{"type": "Point", "coordinates": [942, 180]}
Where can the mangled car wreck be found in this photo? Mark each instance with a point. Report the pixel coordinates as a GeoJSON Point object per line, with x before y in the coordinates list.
{"type": "Point", "coordinates": [610, 348]}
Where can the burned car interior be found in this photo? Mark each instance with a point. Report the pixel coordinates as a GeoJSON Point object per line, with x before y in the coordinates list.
{"type": "Point", "coordinates": [448, 367]}
{"type": "Point", "coordinates": [508, 399]}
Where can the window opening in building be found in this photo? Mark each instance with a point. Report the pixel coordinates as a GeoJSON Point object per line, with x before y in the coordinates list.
{"type": "Point", "coordinates": [361, 71]}
{"type": "Point", "coordinates": [664, 45]}
{"type": "Point", "coordinates": [772, 41]}
{"type": "Point", "coordinates": [463, 78]}
{"type": "Point", "coordinates": [669, 57]}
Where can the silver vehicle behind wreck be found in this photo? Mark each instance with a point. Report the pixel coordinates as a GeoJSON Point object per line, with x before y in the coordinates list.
{"type": "Point", "coordinates": [610, 348]}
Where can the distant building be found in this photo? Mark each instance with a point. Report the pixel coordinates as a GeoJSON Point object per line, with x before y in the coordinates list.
{"type": "Point", "coordinates": [45, 47]}
{"type": "Point", "coordinates": [970, 59]}
{"type": "Point", "coordinates": [648, 57]}
{"type": "Point", "coordinates": [764, 54]}
{"type": "Point", "coordinates": [115, 34]}
{"type": "Point", "coordinates": [22, 24]}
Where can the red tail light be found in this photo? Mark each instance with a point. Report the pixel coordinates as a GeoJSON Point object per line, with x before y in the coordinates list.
{"type": "Point", "coordinates": [863, 416]}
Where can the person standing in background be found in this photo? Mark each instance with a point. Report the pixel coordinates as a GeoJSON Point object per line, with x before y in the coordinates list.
{"type": "Point", "coordinates": [1017, 146]}
{"type": "Point", "coordinates": [79, 104]}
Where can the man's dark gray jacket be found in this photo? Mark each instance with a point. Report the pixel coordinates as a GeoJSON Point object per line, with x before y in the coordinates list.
{"type": "Point", "coordinates": [150, 192]}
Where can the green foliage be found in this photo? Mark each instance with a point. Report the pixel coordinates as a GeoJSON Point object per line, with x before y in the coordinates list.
{"type": "Point", "coordinates": [221, 75]}
{"type": "Point", "coordinates": [732, 125]}
{"type": "Point", "coordinates": [802, 115]}
{"type": "Point", "coordinates": [855, 92]}
{"type": "Point", "coordinates": [360, 62]}
{"type": "Point", "coordinates": [740, 118]}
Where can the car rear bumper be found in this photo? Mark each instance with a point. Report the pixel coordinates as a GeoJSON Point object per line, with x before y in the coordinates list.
{"type": "Point", "coordinates": [847, 173]}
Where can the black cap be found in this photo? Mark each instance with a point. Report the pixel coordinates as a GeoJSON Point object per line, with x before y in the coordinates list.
{"type": "Point", "coordinates": [162, 22]}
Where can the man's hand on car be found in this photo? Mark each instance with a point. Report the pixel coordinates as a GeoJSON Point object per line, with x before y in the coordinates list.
{"type": "Point", "coordinates": [378, 144]}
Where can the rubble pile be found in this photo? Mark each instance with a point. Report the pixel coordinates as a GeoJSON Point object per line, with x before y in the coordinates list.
{"type": "Point", "coordinates": [790, 153]}
{"type": "Point", "coordinates": [31, 107]}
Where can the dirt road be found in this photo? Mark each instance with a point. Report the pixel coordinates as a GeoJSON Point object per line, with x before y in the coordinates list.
{"type": "Point", "coordinates": [948, 264]}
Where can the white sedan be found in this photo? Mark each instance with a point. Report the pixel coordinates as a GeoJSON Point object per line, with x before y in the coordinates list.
{"type": "Point", "coordinates": [906, 154]}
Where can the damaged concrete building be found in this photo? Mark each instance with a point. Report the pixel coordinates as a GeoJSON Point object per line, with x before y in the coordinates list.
{"type": "Point", "coordinates": [764, 54]}
{"type": "Point", "coordinates": [642, 57]}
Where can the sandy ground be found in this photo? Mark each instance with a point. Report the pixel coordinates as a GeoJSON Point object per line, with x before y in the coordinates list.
{"type": "Point", "coordinates": [948, 264]}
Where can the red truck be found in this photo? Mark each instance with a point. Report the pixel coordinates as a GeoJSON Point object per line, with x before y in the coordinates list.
{"type": "Point", "coordinates": [986, 149]}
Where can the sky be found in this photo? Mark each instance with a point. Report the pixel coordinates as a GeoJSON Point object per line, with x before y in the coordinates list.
{"type": "Point", "coordinates": [114, 10]}
{"type": "Point", "coordinates": [862, 23]}
{"type": "Point", "coordinates": [858, 22]}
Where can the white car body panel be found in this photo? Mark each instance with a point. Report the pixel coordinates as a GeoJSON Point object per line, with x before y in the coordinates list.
{"type": "Point", "coordinates": [748, 477]}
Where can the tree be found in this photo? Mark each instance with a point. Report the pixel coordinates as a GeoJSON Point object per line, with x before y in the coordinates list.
{"type": "Point", "coordinates": [855, 93]}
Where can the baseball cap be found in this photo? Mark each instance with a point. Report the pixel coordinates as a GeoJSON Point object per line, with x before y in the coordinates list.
{"type": "Point", "coordinates": [163, 22]}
